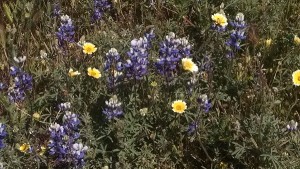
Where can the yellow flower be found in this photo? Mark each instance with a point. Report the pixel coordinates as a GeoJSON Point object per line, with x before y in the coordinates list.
{"type": "Point", "coordinates": [296, 40]}
{"type": "Point", "coordinates": [296, 78]}
{"type": "Point", "coordinates": [24, 147]}
{"type": "Point", "coordinates": [153, 84]}
{"type": "Point", "coordinates": [89, 48]}
{"type": "Point", "coordinates": [73, 73]}
{"type": "Point", "coordinates": [219, 19]}
{"type": "Point", "coordinates": [268, 42]}
{"type": "Point", "coordinates": [223, 165]}
{"type": "Point", "coordinates": [42, 150]}
{"type": "Point", "coordinates": [189, 65]}
{"type": "Point", "coordinates": [179, 106]}
{"type": "Point", "coordinates": [36, 115]}
{"type": "Point", "coordinates": [94, 73]}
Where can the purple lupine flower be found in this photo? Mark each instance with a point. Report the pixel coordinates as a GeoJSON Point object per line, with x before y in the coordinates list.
{"type": "Point", "coordinates": [64, 106]}
{"type": "Point", "coordinates": [56, 10]}
{"type": "Point", "coordinates": [293, 125]}
{"type": "Point", "coordinates": [63, 138]}
{"type": "Point", "coordinates": [136, 65]}
{"type": "Point", "coordinates": [113, 108]}
{"type": "Point", "coordinates": [3, 134]}
{"type": "Point", "coordinates": [66, 31]}
{"type": "Point", "coordinates": [114, 66]}
{"type": "Point", "coordinates": [2, 86]}
{"type": "Point", "coordinates": [236, 36]}
{"type": "Point", "coordinates": [57, 146]}
{"type": "Point", "coordinates": [22, 83]}
{"type": "Point", "coordinates": [192, 127]}
{"type": "Point", "coordinates": [99, 8]}
{"type": "Point", "coordinates": [71, 120]}
{"type": "Point", "coordinates": [78, 152]}
{"type": "Point", "coordinates": [204, 103]}
{"type": "Point", "coordinates": [171, 51]}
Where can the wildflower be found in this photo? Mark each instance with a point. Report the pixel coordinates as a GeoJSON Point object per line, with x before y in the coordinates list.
{"type": "Point", "coordinates": [78, 151]}
{"type": "Point", "coordinates": [137, 63]}
{"type": "Point", "coordinates": [42, 150]}
{"type": "Point", "coordinates": [73, 73]}
{"type": "Point", "coordinates": [171, 51]}
{"type": "Point", "coordinates": [268, 42]}
{"type": "Point", "coordinates": [113, 66]}
{"type": "Point", "coordinates": [192, 127]}
{"type": "Point", "coordinates": [95, 73]}
{"type": "Point", "coordinates": [296, 40]}
{"type": "Point", "coordinates": [3, 134]}
{"type": "Point", "coordinates": [220, 21]}
{"type": "Point", "coordinates": [56, 10]}
{"type": "Point", "coordinates": [22, 83]}
{"type": "Point", "coordinates": [71, 120]}
{"type": "Point", "coordinates": [144, 111]}
{"type": "Point", "coordinates": [237, 35]}
{"type": "Point", "coordinates": [204, 103]}
{"type": "Point", "coordinates": [296, 78]}
{"type": "Point", "coordinates": [89, 48]}
{"type": "Point", "coordinates": [153, 84]}
{"type": "Point", "coordinates": [25, 148]}
{"type": "Point", "coordinates": [293, 125]}
{"type": "Point", "coordinates": [179, 106]}
{"type": "Point", "coordinates": [65, 31]}
{"type": "Point", "coordinates": [223, 165]}
{"type": "Point", "coordinates": [99, 8]}
{"type": "Point", "coordinates": [189, 65]}
{"type": "Point", "coordinates": [64, 106]}
{"type": "Point", "coordinates": [20, 59]}
{"type": "Point", "coordinates": [62, 142]}
{"type": "Point", "coordinates": [36, 115]}
{"type": "Point", "coordinates": [113, 108]}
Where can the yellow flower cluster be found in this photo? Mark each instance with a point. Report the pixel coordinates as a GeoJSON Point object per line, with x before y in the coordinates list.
{"type": "Point", "coordinates": [89, 48]}
{"type": "Point", "coordinates": [24, 148]}
{"type": "Point", "coordinates": [296, 40]}
{"type": "Point", "coordinates": [189, 65]}
{"type": "Point", "coordinates": [95, 73]}
{"type": "Point", "coordinates": [296, 78]}
{"type": "Point", "coordinates": [179, 106]}
{"type": "Point", "coordinates": [219, 19]}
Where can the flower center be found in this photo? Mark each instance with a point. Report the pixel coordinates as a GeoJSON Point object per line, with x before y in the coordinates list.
{"type": "Point", "coordinates": [178, 107]}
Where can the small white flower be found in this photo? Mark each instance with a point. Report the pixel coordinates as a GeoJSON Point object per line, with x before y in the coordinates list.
{"type": "Point", "coordinates": [293, 125]}
{"type": "Point", "coordinates": [20, 59]}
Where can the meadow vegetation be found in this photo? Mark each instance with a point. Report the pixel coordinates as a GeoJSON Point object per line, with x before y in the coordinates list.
{"type": "Point", "coordinates": [147, 84]}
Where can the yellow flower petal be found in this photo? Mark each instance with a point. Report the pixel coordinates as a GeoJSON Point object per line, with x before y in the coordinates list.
{"type": "Point", "coordinates": [179, 106]}
{"type": "Point", "coordinates": [73, 73]}
{"type": "Point", "coordinates": [89, 48]}
{"type": "Point", "coordinates": [94, 72]}
{"type": "Point", "coordinates": [189, 65]}
{"type": "Point", "coordinates": [296, 78]}
{"type": "Point", "coordinates": [219, 19]}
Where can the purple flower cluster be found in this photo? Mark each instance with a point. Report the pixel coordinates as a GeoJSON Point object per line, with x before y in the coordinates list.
{"type": "Point", "coordinates": [99, 8]}
{"type": "Point", "coordinates": [22, 83]}
{"type": "Point", "coordinates": [114, 67]}
{"type": "Point", "coordinates": [204, 103]}
{"type": "Point", "coordinates": [63, 138]}
{"type": "Point", "coordinates": [192, 127]}
{"type": "Point", "coordinates": [56, 10]}
{"type": "Point", "coordinates": [136, 65]}
{"type": "Point", "coordinates": [237, 35]}
{"type": "Point", "coordinates": [65, 31]}
{"type": "Point", "coordinates": [2, 135]}
{"type": "Point", "coordinates": [113, 108]}
{"type": "Point", "coordinates": [171, 51]}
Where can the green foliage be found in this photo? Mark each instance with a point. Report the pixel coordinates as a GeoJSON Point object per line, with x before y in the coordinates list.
{"type": "Point", "coordinates": [252, 95]}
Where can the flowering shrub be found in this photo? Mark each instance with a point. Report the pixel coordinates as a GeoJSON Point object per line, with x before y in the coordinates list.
{"type": "Point", "coordinates": [149, 84]}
